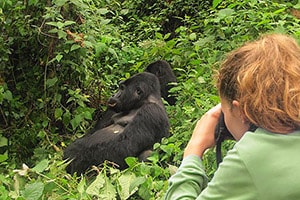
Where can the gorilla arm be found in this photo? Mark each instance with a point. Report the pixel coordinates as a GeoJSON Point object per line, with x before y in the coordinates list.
{"type": "Point", "coordinates": [149, 126]}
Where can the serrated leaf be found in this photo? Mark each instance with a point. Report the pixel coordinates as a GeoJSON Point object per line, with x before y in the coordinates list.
{"type": "Point", "coordinates": [95, 186]}
{"type": "Point", "coordinates": [108, 191]}
{"type": "Point", "coordinates": [41, 166]}
{"type": "Point", "coordinates": [135, 183]}
{"type": "Point", "coordinates": [125, 181]}
{"type": "Point", "coordinates": [33, 191]}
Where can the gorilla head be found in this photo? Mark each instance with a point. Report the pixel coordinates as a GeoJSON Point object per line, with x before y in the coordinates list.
{"type": "Point", "coordinates": [134, 91]}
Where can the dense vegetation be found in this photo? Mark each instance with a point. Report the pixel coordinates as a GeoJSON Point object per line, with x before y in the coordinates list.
{"type": "Point", "coordinates": [61, 59]}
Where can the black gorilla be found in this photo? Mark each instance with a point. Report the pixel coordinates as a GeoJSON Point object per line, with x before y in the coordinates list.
{"type": "Point", "coordinates": [166, 76]}
{"type": "Point", "coordinates": [139, 120]}
{"type": "Point", "coordinates": [163, 71]}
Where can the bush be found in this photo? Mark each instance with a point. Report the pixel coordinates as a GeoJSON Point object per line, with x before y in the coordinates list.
{"type": "Point", "coordinates": [61, 59]}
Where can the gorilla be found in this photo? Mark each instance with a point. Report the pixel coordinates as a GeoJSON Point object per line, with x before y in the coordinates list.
{"type": "Point", "coordinates": [138, 120]}
{"type": "Point", "coordinates": [163, 71]}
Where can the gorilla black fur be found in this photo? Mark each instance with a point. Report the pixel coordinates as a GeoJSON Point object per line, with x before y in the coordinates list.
{"type": "Point", "coordinates": [166, 76]}
{"type": "Point", "coordinates": [139, 120]}
{"type": "Point", "coordinates": [163, 71]}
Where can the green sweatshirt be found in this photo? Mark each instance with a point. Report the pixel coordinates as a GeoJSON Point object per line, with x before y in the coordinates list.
{"type": "Point", "coordinates": [261, 166]}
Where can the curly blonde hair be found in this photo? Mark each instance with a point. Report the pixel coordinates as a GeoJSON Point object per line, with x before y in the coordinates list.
{"type": "Point", "coordinates": [264, 76]}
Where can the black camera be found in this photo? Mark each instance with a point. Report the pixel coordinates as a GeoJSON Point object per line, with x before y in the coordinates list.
{"type": "Point", "coordinates": [221, 131]}
{"type": "Point", "coordinates": [221, 134]}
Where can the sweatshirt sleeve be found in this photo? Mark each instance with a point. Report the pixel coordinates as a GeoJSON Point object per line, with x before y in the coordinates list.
{"type": "Point", "coordinates": [231, 181]}
{"type": "Point", "coordinates": [188, 181]}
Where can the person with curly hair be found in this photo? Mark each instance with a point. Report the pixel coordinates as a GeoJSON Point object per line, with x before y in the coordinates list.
{"type": "Point", "coordinates": [259, 85]}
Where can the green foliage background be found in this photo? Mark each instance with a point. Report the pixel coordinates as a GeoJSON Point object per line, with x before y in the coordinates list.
{"type": "Point", "coordinates": [61, 59]}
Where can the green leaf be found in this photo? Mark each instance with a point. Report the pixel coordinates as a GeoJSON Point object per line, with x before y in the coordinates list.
{"type": "Point", "coordinates": [32, 2]}
{"type": "Point", "coordinates": [131, 161]}
{"type": "Point", "coordinates": [52, 23]}
{"type": "Point", "coordinates": [108, 191]}
{"type": "Point", "coordinates": [51, 82]}
{"type": "Point", "coordinates": [105, 21]}
{"type": "Point", "coordinates": [225, 13]}
{"type": "Point", "coordinates": [60, 3]}
{"type": "Point", "coordinates": [279, 11]}
{"type": "Point", "coordinates": [7, 95]}
{"type": "Point", "coordinates": [58, 57]}
{"type": "Point", "coordinates": [68, 23]}
{"type": "Point", "coordinates": [95, 186]}
{"type": "Point", "coordinates": [216, 3]}
{"type": "Point", "coordinates": [124, 11]}
{"type": "Point", "coordinates": [103, 11]}
{"type": "Point", "coordinates": [112, 51]}
{"type": "Point", "coordinates": [88, 115]}
{"type": "Point", "coordinates": [74, 47]}
{"type": "Point", "coordinates": [61, 34]}
{"type": "Point", "coordinates": [4, 156]}
{"type": "Point", "coordinates": [144, 191]}
{"type": "Point", "coordinates": [75, 122]}
{"type": "Point", "coordinates": [125, 181]}
{"type": "Point", "coordinates": [58, 113]}
{"type": "Point", "coordinates": [81, 185]}
{"type": "Point", "coordinates": [54, 30]}
{"type": "Point", "coordinates": [41, 166]}
{"type": "Point", "coordinates": [59, 25]}
{"type": "Point", "coordinates": [3, 141]}
{"type": "Point", "coordinates": [297, 6]}
{"type": "Point", "coordinates": [99, 48]}
{"type": "Point", "coordinates": [33, 191]}
{"type": "Point", "coordinates": [201, 80]}
{"type": "Point", "coordinates": [136, 183]}
{"type": "Point", "coordinates": [192, 36]}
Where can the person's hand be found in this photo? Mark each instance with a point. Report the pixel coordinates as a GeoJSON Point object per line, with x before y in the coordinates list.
{"type": "Point", "coordinates": [203, 134]}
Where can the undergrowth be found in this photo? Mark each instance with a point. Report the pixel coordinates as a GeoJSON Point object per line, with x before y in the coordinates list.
{"type": "Point", "coordinates": [61, 60]}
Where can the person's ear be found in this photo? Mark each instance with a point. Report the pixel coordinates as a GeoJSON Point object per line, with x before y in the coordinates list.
{"type": "Point", "coordinates": [236, 104]}
{"type": "Point", "coordinates": [238, 110]}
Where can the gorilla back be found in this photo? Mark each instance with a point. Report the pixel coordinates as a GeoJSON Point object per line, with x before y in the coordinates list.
{"type": "Point", "coordinates": [139, 122]}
